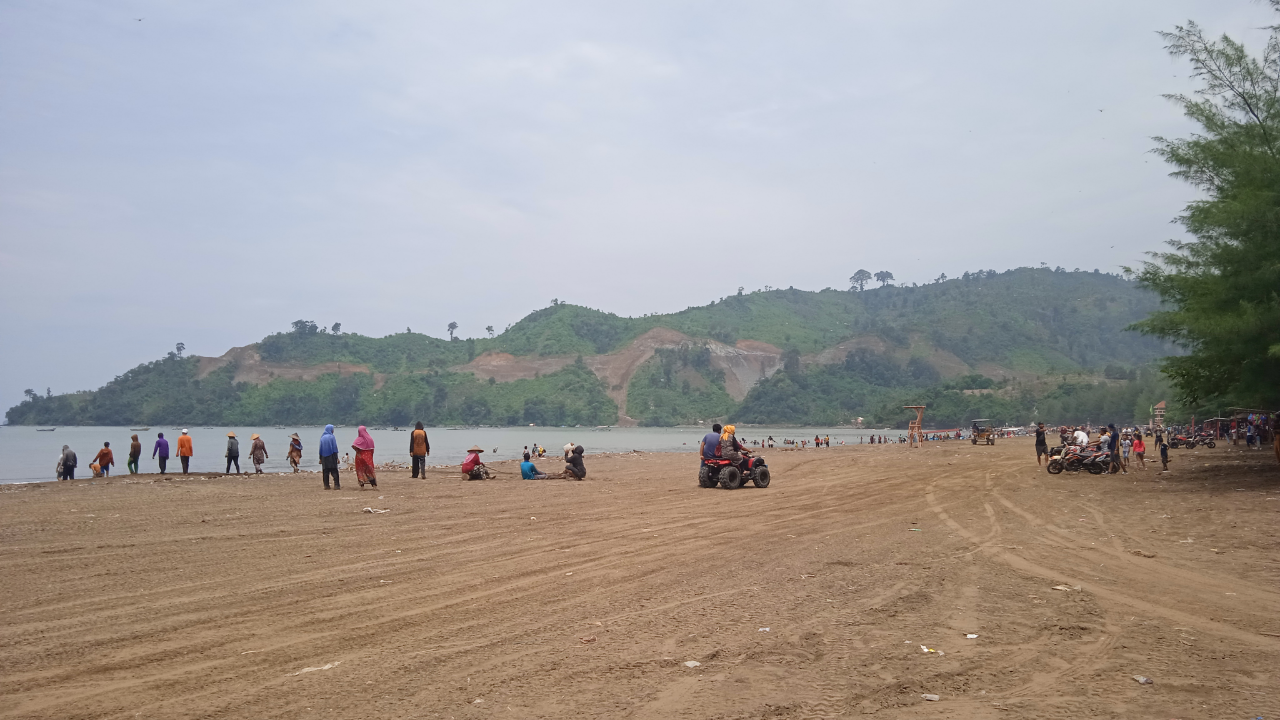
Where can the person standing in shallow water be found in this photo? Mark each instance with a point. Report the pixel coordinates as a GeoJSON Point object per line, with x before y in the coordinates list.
{"type": "Point", "coordinates": [135, 452]}
{"type": "Point", "coordinates": [364, 458]}
{"type": "Point", "coordinates": [329, 457]}
{"type": "Point", "coordinates": [419, 449]}
{"type": "Point", "coordinates": [258, 453]}
{"type": "Point", "coordinates": [161, 450]}
{"type": "Point", "coordinates": [233, 452]}
{"type": "Point", "coordinates": [67, 465]}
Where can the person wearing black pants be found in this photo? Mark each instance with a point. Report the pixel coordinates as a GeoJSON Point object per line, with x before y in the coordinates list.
{"type": "Point", "coordinates": [186, 463]}
{"type": "Point", "coordinates": [329, 457]}
{"type": "Point", "coordinates": [330, 463]}
{"type": "Point", "coordinates": [233, 452]}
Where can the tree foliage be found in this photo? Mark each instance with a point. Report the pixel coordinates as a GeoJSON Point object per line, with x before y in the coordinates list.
{"type": "Point", "coordinates": [1221, 288]}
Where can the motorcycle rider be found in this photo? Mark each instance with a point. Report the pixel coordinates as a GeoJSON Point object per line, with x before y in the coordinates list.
{"type": "Point", "coordinates": [1081, 437]}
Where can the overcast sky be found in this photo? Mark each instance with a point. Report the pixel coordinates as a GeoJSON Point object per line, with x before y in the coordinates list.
{"type": "Point", "coordinates": [215, 170]}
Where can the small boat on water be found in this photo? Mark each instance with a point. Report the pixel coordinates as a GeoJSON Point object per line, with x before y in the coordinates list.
{"type": "Point", "coordinates": [46, 429]}
{"type": "Point", "coordinates": [140, 429]}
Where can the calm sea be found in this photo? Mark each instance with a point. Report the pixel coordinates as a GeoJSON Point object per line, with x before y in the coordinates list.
{"type": "Point", "coordinates": [28, 455]}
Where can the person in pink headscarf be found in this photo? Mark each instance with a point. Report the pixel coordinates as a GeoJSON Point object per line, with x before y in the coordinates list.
{"type": "Point", "coordinates": [364, 458]}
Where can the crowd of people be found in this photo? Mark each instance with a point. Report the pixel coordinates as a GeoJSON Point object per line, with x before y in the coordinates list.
{"type": "Point", "coordinates": [1126, 447]}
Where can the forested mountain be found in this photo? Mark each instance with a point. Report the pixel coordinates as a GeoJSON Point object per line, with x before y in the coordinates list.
{"type": "Point", "coordinates": [996, 344]}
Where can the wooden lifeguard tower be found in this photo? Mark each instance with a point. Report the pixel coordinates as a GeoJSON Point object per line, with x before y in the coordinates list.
{"type": "Point", "coordinates": [915, 429]}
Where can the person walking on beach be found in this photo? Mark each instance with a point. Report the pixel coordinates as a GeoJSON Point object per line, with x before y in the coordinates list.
{"type": "Point", "coordinates": [420, 448]}
{"type": "Point", "coordinates": [1164, 455]}
{"type": "Point", "coordinates": [295, 451]}
{"type": "Point", "coordinates": [257, 453]}
{"type": "Point", "coordinates": [364, 458]}
{"type": "Point", "coordinates": [105, 459]}
{"type": "Point", "coordinates": [575, 469]}
{"type": "Point", "coordinates": [233, 452]}
{"type": "Point", "coordinates": [161, 451]}
{"type": "Point", "coordinates": [135, 452]}
{"type": "Point", "coordinates": [1116, 466]}
{"type": "Point", "coordinates": [1042, 445]}
{"type": "Point", "coordinates": [1139, 450]}
{"type": "Point", "coordinates": [185, 451]}
{"type": "Point", "coordinates": [67, 464]}
{"type": "Point", "coordinates": [329, 457]}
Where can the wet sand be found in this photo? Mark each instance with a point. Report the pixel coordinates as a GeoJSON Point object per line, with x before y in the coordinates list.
{"type": "Point", "coordinates": [264, 597]}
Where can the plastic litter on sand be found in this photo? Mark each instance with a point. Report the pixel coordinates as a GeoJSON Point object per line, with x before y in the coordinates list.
{"type": "Point", "coordinates": [692, 663]}
{"type": "Point", "coordinates": [930, 697]}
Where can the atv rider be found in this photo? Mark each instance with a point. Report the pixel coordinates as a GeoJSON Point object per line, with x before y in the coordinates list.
{"type": "Point", "coordinates": [731, 449]}
{"type": "Point", "coordinates": [709, 448]}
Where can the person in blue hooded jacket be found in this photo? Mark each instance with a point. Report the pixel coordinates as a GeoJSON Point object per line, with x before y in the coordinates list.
{"type": "Point", "coordinates": [329, 457]}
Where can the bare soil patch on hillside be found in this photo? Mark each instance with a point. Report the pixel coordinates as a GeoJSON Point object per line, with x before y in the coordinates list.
{"type": "Point", "coordinates": [848, 587]}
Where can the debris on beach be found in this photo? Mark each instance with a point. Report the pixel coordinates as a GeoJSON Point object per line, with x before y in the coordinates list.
{"type": "Point", "coordinates": [1143, 680]}
{"type": "Point", "coordinates": [330, 666]}
{"type": "Point", "coordinates": [374, 510]}
{"type": "Point", "coordinates": [930, 697]}
{"type": "Point", "coordinates": [692, 664]}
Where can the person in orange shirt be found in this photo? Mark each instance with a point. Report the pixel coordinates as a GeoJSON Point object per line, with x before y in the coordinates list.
{"type": "Point", "coordinates": [184, 451]}
{"type": "Point", "coordinates": [105, 459]}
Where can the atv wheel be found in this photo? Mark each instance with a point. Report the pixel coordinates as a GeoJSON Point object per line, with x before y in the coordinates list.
{"type": "Point", "coordinates": [731, 478]}
{"type": "Point", "coordinates": [1054, 467]}
{"type": "Point", "coordinates": [704, 478]}
{"type": "Point", "coordinates": [762, 478]}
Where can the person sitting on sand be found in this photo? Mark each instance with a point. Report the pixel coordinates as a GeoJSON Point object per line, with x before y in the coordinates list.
{"type": "Point", "coordinates": [472, 467]}
{"type": "Point", "coordinates": [528, 471]}
{"type": "Point", "coordinates": [575, 469]}
{"type": "Point", "coordinates": [105, 459]}
{"type": "Point", "coordinates": [364, 457]}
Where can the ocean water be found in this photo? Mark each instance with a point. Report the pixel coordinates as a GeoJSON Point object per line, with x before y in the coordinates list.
{"type": "Point", "coordinates": [28, 455]}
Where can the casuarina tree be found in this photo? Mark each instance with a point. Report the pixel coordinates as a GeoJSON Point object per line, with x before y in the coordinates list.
{"type": "Point", "coordinates": [1221, 287]}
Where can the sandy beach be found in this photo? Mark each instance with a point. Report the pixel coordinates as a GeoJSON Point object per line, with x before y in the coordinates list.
{"type": "Point", "coordinates": [846, 588]}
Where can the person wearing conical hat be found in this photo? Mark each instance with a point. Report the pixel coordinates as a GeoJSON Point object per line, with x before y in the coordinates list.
{"type": "Point", "coordinates": [258, 453]}
{"type": "Point", "coordinates": [295, 451]}
{"type": "Point", "coordinates": [233, 452]}
{"type": "Point", "coordinates": [472, 467]}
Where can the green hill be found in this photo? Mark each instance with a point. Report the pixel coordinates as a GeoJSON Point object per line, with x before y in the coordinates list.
{"type": "Point", "coordinates": [1022, 327]}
